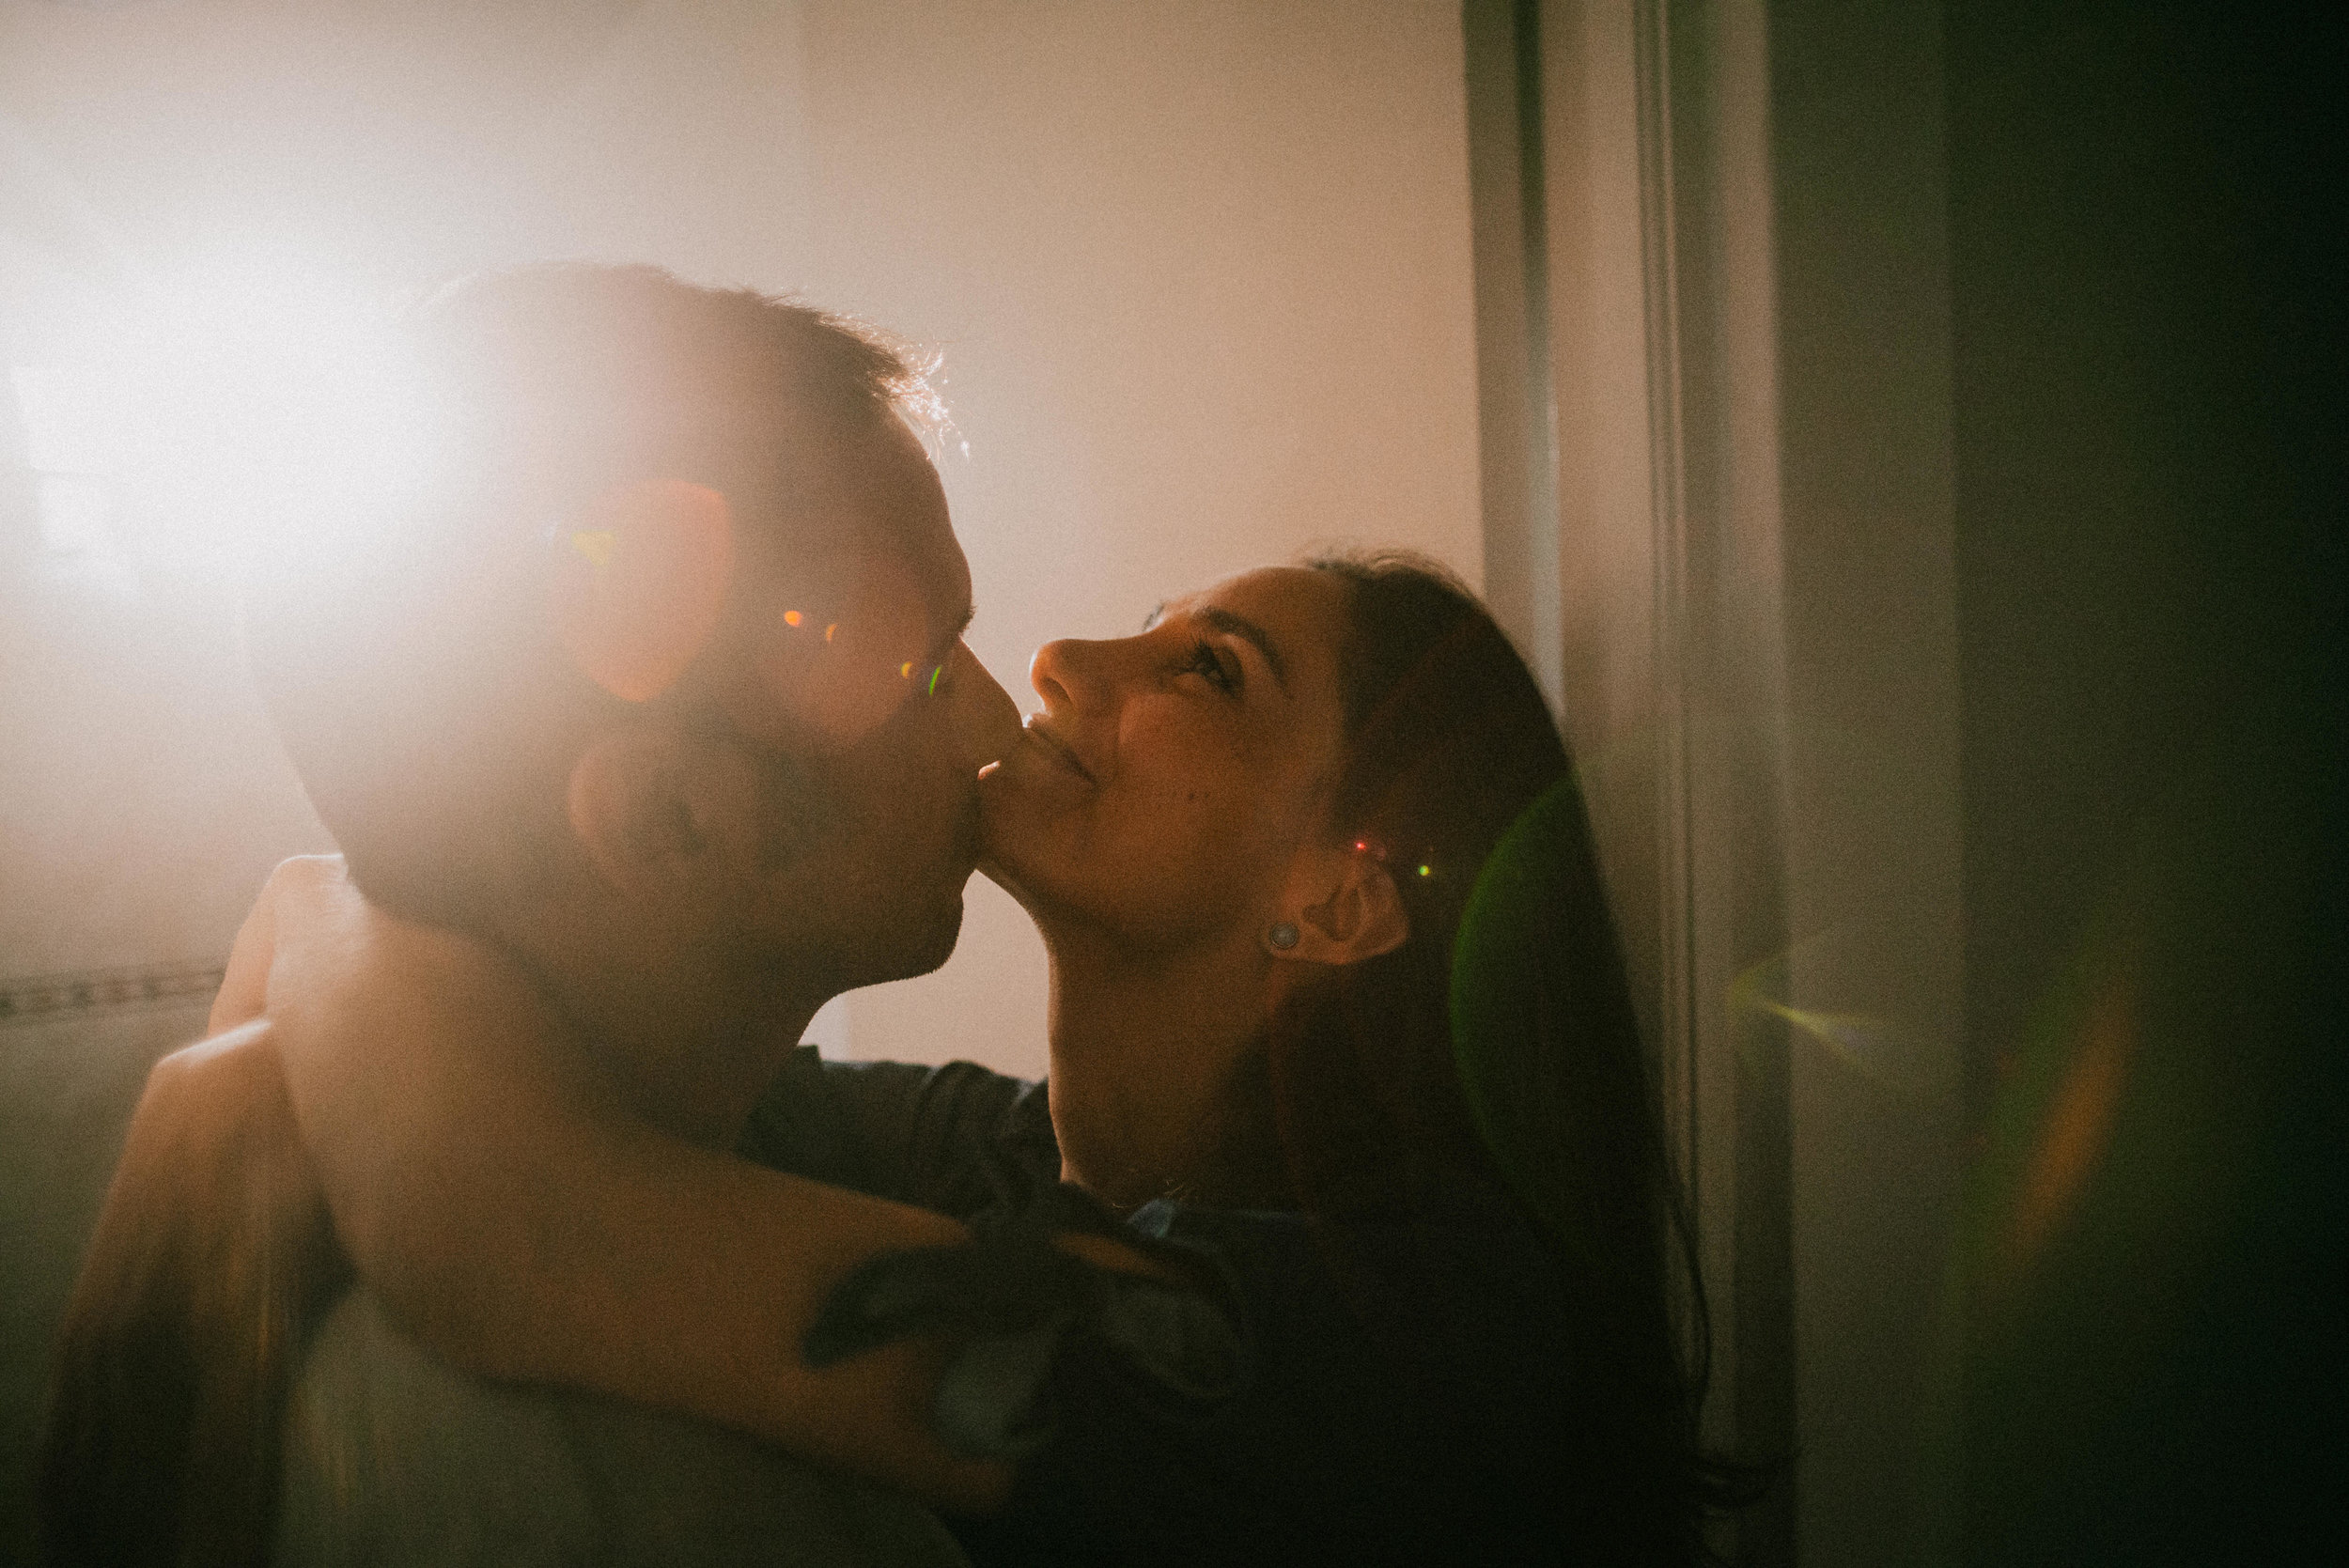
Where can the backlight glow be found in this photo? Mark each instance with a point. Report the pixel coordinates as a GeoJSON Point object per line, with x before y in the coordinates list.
{"type": "Point", "coordinates": [216, 412]}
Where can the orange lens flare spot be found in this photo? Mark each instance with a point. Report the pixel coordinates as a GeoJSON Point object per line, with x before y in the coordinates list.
{"type": "Point", "coordinates": [791, 618]}
{"type": "Point", "coordinates": [638, 594]}
{"type": "Point", "coordinates": [830, 630]}
{"type": "Point", "coordinates": [905, 670]}
{"type": "Point", "coordinates": [2076, 1125]}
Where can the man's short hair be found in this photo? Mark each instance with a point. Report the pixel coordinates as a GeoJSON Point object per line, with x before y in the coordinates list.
{"type": "Point", "coordinates": [412, 668]}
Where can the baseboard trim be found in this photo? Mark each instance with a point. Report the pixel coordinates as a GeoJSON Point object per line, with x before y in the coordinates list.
{"type": "Point", "coordinates": [59, 996]}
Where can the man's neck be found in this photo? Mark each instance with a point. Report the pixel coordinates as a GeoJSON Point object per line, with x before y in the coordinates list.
{"type": "Point", "coordinates": [683, 1044]}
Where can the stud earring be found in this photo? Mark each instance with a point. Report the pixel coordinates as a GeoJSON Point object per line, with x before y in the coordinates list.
{"type": "Point", "coordinates": [1283, 937]}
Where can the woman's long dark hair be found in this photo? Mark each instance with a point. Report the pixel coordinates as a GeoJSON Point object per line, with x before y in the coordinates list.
{"type": "Point", "coordinates": [1499, 1043]}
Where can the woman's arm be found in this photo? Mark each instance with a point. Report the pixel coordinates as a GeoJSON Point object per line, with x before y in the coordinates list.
{"type": "Point", "coordinates": [524, 1231]}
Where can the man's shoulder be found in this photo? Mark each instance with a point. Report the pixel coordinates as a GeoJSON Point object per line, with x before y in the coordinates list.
{"type": "Point", "coordinates": [910, 1132]}
{"type": "Point", "coordinates": [394, 1457]}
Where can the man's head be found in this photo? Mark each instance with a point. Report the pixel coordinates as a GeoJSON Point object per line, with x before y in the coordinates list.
{"type": "Point", "coordinates": [667, 648]}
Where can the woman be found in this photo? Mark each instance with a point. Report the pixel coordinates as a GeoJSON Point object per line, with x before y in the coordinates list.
{"type": "Point", "coordinates": [1360, 1245]}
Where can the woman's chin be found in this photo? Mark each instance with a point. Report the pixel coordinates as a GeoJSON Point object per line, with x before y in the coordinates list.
{"type": "Point", "coordinates": [1013, 814]}
{"type": "Point", "coordinates": [1033, 842]}
{"type": "Point", "coordinates": [1014, 854]}
{"type": "Point", "coordinates": [1007, 840]}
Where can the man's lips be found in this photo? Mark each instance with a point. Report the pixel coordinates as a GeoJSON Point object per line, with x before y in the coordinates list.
{"type": "Point", "coordinates": [1059, 748]}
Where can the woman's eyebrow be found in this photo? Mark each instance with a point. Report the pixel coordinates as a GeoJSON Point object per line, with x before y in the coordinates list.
{"type": "Point", "coordinates": [1241, 627]}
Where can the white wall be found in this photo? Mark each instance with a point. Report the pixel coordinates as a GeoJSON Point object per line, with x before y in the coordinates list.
{"type": "Point", "coordinates": [1200, 272]}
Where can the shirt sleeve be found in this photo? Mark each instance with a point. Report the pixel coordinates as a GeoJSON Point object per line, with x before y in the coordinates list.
{"type": "Point", "coordinates": [910, 1133]}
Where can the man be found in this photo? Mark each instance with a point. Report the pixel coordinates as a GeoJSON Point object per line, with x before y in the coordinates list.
{"type": "Point", "coordinates": [656, 684]}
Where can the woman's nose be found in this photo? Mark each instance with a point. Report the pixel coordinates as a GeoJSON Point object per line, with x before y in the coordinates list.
{"type": "Point", "coordinates": [1054, 673]}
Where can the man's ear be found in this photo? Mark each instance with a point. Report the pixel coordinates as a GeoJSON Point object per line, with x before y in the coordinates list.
{"type": "Point", "coordinates": [1345, 909]}
{"type": "Point", "coordinates": [661, 815]}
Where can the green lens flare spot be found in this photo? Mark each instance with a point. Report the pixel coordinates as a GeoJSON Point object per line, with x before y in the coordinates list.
{"type": "Point", "coordinates": [1537, 1006]}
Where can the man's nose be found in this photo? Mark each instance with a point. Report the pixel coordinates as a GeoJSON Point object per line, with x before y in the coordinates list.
{"type": "Point", "coordinates": [986, 720]}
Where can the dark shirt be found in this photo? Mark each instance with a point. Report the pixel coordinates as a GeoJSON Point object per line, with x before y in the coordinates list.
{"type": "Point", "coordinates": [1406, 1396]}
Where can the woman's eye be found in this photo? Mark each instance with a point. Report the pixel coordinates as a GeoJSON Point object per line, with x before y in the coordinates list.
{"type": "Point", "coordinates": [1205, 660]}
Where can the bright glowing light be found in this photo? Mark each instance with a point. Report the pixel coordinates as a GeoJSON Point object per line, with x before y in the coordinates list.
{"type": "Point", "coordinates": [231, 405]}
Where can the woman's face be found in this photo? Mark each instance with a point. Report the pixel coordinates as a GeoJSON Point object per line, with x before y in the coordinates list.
{"type": "Point", "coordinates": [1170, 777]}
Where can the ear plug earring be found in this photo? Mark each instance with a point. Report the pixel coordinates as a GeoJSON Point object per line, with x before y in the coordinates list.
{"type": "Point", "coordinates": [1283, 937]}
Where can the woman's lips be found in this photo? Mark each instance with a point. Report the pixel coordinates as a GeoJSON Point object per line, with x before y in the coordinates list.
{"type": "Point", "coordinates": [1057, 747]}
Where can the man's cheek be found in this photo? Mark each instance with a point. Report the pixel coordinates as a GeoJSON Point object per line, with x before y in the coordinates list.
{"type": "Point", "coordinates": [841, 654]}
{"type": "Point", "coordinates": [841, 703]}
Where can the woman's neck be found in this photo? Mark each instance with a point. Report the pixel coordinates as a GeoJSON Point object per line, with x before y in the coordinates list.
{"type": "Point", "coordinates": [1157, 1074]}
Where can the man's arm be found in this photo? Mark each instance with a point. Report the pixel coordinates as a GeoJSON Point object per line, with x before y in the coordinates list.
{"type": "Point", "coordinates": [525, 1230]}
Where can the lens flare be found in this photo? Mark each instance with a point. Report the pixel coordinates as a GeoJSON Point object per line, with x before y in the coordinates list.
{"type": "Point", "coordinates": [1894, 1053]}
{"type": "Point", "coordinates": [596, 544]}
{"type": "Point", "coordinates": [1538, 1005]}
{"type": "Point", "coordinates": [2061, 1093]}
{"type": "Point", "coordinates": [236, 406]}
{"type": "Point", "coordinates": [2073, 1131]}
{"type": "Point", "coordinates": [640, 598]}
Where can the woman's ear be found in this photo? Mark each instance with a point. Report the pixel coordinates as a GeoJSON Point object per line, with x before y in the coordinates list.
{"type": "Point", "coordinates": [1347, 910]}
{"type": "Point", "coordinates": [660, 814]}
